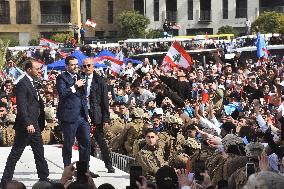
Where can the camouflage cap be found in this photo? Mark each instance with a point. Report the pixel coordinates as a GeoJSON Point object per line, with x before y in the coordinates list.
{"type": "Point", "coordinates": [49, 113]}
{"type": "Point", "coordinates": [192, 143]}
{"type": "Point", "coordinates": [230, 140]}
{"type": "Point", "coordinates": [173, 120]}
{"type": "Point", "coordinates": [137, 112]}
{"type": "Point", "coordinates": [210, 131]}
{"type": "Point", "coordinates": [146, 116]}
{"type": "Point", "coordinates": [254, 149]}
{"type": "Point", "coordinates": [11, 118]}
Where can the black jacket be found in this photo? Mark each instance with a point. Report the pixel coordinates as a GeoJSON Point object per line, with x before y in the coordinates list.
{"type": "Point", "coordinates": [98, 98]}
{"type": "Point", "coordinates": [30, 107]}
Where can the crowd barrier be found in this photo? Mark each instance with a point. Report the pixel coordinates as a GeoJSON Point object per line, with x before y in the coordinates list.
{"type": "Point", "coordinates": [120, 161]}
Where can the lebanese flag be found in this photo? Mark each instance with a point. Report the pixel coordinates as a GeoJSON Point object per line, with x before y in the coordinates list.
{"type": "Point", "coordinates": [177, 57]}
{"type": "Point", "coordinates": [90, 23]}
{"type": "Point", "coordinates": [114, 64]}
{"type": "Point", "coordinates": [48, 43]}
{"type": "Point", "coordinates": [177, 27]}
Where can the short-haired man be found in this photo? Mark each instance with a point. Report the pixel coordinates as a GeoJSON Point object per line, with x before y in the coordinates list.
{"type": "Point", "coordinates": [151, 156]}
{"type": "Point", "coordinates": [28, 124]}
{"type": "Point", "coordinates": [72, 112]}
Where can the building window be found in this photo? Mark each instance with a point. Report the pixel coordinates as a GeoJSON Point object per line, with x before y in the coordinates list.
{"type": "Point", "coordinates": [156, 10]}
{"type": "Point", "coordinates": [241, 8]}
{"type": "Point", "coordinates": [110, 12]}
{"type": "Point", "coordinates": [190, 9]}
{"type": "Point", "coordinates": [100, 34]}
{"type": "Point", "coordinates": [88, 9]}
{"type": "Point", "coordinates": [139, 6]}
{"type": "Point", "coordinates": [4, 12]}
{"type": "Point", "coordinates": [225, 9]}
{"type": "Point", "coordinates": [23, 15]}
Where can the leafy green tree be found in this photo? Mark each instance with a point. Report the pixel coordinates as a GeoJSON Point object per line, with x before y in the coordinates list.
{"type": "Point", "coordinates": [3, 50]}
{"type": "Point", "coordinates": [61, 37]}
{"type": "Point", "coordinates": [151, 34]}
{"type": "Point", "coordinates": [269, 22]}
{"type": "Point", "coordinates": [226, 30]}
{"type": "Point", "coordinates": [34, 42]}
{"type": "Point", "coordinates": [132, 24]}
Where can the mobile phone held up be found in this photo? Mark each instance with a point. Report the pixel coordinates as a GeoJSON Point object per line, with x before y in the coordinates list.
{"type": "Point", "coordinates": [250, 169]}
{"type": "Point", "coordinates": [135, 175]}
{"type": "Point", "coordinates": [82, 168]}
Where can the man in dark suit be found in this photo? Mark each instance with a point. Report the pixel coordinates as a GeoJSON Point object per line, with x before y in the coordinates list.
{"type": "Point", "coordinates": [72, 112]}
{"type": "Point", "coordinates": [98, 105]}
{"type": "Point", "coordinates": [29, 123]}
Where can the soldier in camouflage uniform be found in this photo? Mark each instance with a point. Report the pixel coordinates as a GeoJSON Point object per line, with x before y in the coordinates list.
{"type": "Point", "coordinates": [134, 129]}
{"type": "Point", "coordinates": [239, 178]}
{"type": "Point", "coordinates": [235, 158]}
{"type": "Point", "coordinates": [116, 127]}
{"type": "Point", "coordinates": [151, 156]}
{"type": "Point", "coordinates": [123, 143]}
{"type": "Point", "coordinates": [172, 138]}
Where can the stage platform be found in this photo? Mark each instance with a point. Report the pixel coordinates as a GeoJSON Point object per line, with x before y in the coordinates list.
{"type": "Point", "coordinates": [26, 170]}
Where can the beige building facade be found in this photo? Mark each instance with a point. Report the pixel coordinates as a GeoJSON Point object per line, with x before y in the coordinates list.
{"type": "Point", "coordinates": [28, 19]}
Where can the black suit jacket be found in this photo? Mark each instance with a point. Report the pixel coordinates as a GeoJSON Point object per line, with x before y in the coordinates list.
{"type": "Point", "coordinates": [30, 107]}
{"type": "Point", "coordinates": [98, 98]}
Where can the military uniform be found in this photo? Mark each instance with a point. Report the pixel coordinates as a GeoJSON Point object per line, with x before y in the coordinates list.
{"type": "Point", "coordinates": [133, 132]}
{"type": "Point", "coordinates": [116, 127]}
{"type": "Point", "coordinates": [151, 159]}
{"type": "Point", "coordinates": [173, 144]}
{"type": "Point", "coordinates": [228, 166]}
{"type": "Point", "coordinates": [238, 179]}
{"type": "Point", "coordinates": [123, 142]}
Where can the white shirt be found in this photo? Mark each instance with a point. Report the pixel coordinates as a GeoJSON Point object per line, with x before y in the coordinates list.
{"type": "Point", "coordinates": [89, 82]}
{"type": "Point", "coordinates": [31, 80]}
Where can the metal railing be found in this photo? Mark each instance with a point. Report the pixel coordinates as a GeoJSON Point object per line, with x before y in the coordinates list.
{"type": "Point", "coordinates": [279, 9]}
{"type": "Point", "coordinates": [122, 162]}
{"type": "Point", "coordinates": [119, 161]}
{"type": "Point", "coordinates": [205, 15]}
{"type": "Point", "coordinates": [241, 13]}
{"type": "Point", "coordinates": [171, 16]}
{"type": "Point", "coordinates": [55, 18]}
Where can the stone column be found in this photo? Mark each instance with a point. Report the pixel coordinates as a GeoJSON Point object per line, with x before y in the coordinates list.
{"type": "Point", "coordinates": [13, 12]}
{"type": "Point", "coordinates": [35, 12]}
{"type": "Point", "coordinates": [76, 14]}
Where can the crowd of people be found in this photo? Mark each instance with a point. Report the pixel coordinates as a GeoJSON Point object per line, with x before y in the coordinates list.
{"type": "Point", "coordinates": [214, 126]}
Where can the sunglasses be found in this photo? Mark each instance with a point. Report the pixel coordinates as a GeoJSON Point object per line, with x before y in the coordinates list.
{"type": "Point", "coordinates": [87, 65]}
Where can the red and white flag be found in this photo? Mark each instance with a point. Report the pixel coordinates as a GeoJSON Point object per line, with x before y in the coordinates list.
{"type": "Point", "coordinates": [114, 64]}
{"type": "Point", "coordinates": [176, 27]}
{"type": "Point", "coordinates": [177, 57]}
{"type": "Point", "coordinates": [90, 23]}
{"type": "Point", "coordinates": [48, 43]}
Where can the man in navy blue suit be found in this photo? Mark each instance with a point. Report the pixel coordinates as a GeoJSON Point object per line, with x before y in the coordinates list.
{"type": "Point", "coordinates": [72, 112]}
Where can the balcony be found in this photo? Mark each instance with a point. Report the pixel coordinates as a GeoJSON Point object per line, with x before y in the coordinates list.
{"type": "Point", "coordinates": [241, 13]}
{"type": "Point", "coordinates": [55, 19]}
{"type": "Point", "coordinates": [279, 9]}
{"type": "Point", "coordinates": [171, 16]}
{"type": "Point", "coordinates": [205, 16]}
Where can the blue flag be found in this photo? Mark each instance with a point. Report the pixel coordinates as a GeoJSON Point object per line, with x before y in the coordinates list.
{"type": "Point", "coordinates": [261, 46]}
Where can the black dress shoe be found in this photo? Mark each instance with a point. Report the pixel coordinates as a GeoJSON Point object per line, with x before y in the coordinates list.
{"type": "Point", "coordinates": [110, 170]}
{"type": "Point", "coordinates": [93, 175]}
